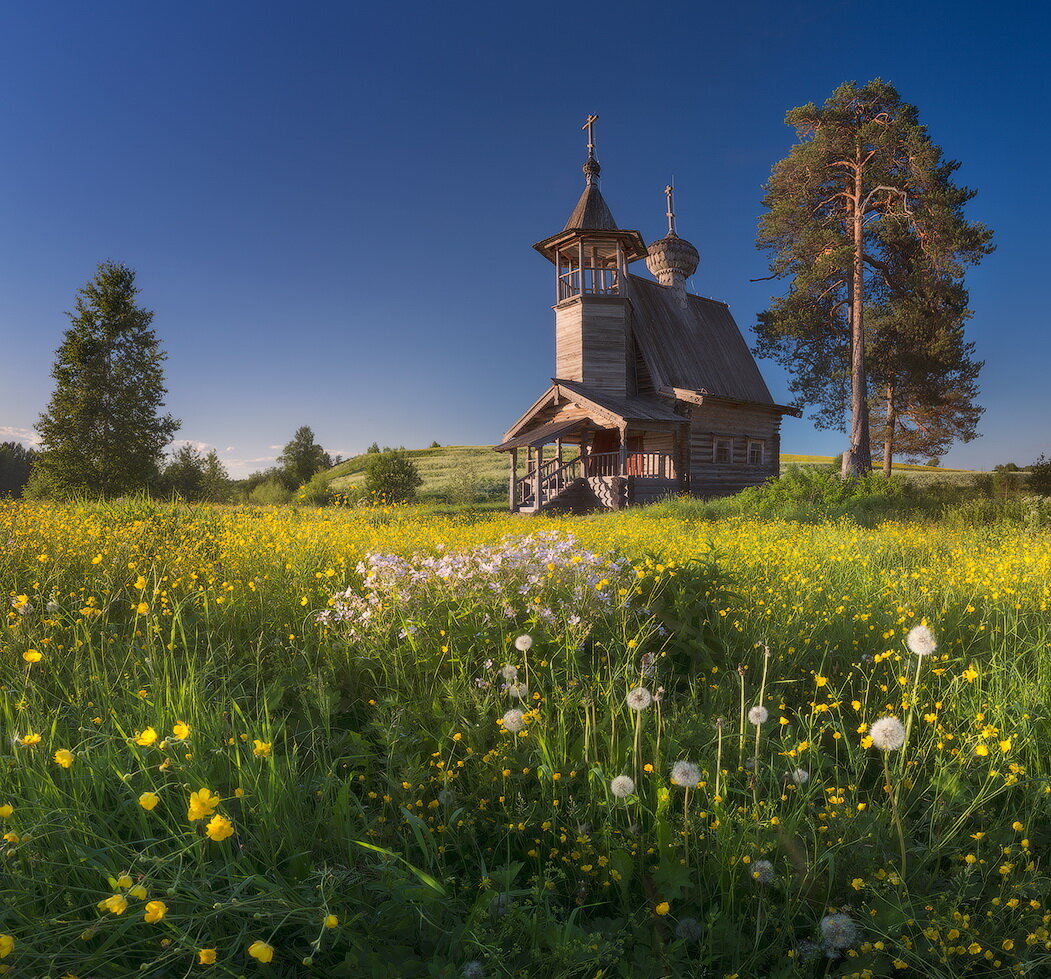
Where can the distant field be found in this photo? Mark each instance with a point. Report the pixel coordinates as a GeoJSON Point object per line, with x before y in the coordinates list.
{"type": "Point", "coordinates": [438, 466]}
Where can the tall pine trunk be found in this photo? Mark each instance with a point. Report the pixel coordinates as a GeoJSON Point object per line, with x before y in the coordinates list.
{"type": "Point", "coordinates": [888, 435]}
{"type": "Point", "coordinates": [857, 461]}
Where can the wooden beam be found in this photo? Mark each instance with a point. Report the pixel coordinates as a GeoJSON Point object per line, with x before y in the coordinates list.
{"type": "Point", "coordinates": [513, 491]}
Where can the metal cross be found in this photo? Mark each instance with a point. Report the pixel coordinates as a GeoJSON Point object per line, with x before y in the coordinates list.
{"type": "Point", "coordinates": [591, 139]}
{"type": "Point", "coordinates": [669, 192]}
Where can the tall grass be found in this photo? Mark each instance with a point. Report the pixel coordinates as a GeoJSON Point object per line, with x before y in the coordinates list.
{"type": "Point", "coordinates": [371, 770]}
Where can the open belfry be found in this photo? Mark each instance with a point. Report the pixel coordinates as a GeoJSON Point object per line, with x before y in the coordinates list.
{"type": "Point", "coordinates": [655, 393]}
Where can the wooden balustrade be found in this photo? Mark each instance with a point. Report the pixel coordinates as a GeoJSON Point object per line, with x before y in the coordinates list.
{"type": "Point", "coordinates": [554, 475]}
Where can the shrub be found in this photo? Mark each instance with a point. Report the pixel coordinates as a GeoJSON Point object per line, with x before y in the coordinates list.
{"type": "Point", "coordinates": [1039, 480]}
{"type": "Point", "coordinates": [316, 491]}
{"type": "Point", "coordinates": [272, 492]}
{"type": "Point", "coordinates": [392, 477]}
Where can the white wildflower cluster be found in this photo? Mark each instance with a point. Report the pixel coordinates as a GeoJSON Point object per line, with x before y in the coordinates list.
{"type": "Point", "coordinates": [509, 580]}
{"type": "Point", "coordinates": [888, 734]}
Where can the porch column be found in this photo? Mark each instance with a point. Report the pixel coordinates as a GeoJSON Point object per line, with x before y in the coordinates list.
{"type": "Point", "coordinates": [623, 471]}
{"type": "Point", "coordinates": [536, 476]}
{"type": "Point", "coordinates": [512, 489]}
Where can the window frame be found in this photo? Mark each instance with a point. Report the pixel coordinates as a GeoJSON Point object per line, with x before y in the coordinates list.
{"type": "Point", "coordinates": [761, 445]}
{"type": "Point", "coordinates": [726, 441]}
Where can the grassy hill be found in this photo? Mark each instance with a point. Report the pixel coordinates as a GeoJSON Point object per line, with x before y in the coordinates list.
{"type": "Point", "coordinates": [437, 467]}
{"type": "Point", "coordinates": [489, 469]}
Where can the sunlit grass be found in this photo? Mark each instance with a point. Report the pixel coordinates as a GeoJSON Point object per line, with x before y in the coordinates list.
{"type": "Point", "coordinates": [380, 810]}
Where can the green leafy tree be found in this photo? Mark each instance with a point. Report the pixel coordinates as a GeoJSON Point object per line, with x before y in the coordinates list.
{"type": "Point", "coordinates": [194, 476]}
{"type": "Point", "coordinates": [392, 477]}
{"type": "Point", "coordinates": [863, 198]}
{"type": "Point", "coordinates": [302, 457]}
{"type": "Point", "coordinates": [1039, 478]}
{"type": "Point", "coordinates": [16, 462]}
{"type": "Point", "coordinates": [103, 432]}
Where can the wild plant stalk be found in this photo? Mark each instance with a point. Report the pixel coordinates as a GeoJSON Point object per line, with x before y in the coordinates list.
{"type": "Point", "coordinates": [740, 749]}
{"type": "Point", "coordinates": [892, 791]}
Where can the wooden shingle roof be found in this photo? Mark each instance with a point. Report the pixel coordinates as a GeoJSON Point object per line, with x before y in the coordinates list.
{"type": "Point", "coordinates": [629, 407]}
{"type": "Point", "coordinates": [592, 213]}
{"type": "Point", "coordinates": [697, 347]}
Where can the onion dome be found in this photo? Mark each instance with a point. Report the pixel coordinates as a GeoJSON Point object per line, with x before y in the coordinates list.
{"type": "Point", "coordinates": [672, 259]}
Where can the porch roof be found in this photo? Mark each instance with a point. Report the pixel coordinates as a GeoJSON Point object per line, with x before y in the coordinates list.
{"type": "Point", "coordinates": [544, 434]}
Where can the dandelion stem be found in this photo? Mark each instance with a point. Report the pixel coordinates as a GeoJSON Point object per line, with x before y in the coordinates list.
{"type": "Point", "coordinates": [895, 814]}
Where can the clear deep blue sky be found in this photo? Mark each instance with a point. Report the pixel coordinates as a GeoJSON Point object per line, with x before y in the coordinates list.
{"type": "Point", "coordinates": [330, 206]}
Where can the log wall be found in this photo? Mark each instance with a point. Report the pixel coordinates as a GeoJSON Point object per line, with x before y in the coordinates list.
{"type": "Point", "coordinates": [738, 424]}
{"type": "Point", "coordinates": [591, 343]}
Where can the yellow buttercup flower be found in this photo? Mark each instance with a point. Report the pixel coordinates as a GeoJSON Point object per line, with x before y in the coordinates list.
{"type": "Point", "coordinates": [32, 656]}
{"type": "Point", "coordinates": [219, 828]}
{"type": "Point", "coordinates": [6, 810]}
{"type": "Point", "coordinates": [30, 738]}
{"type": "Point", "coordinates": [330, 921]}
{"type": "Point", "coordinates": [203, 803]}
{"type": "Point", "coordinates": [7, 946]}
{"type": "Point", "coordinates": [118, 904]}
{"type": "Point", "coordinates": [206, 956]}
{"type": "Point", "coordinates": [261, 951]}
{"type": "Point", "coordinates": [64, 757]}
{"type": "Point", "coordinates": [149, 800]}
{"type": "Point", "coordinates": [261, 749]}
{"type": "Point", "coordinates": [155, 910]}
{"type": "Point", "coordinates": [663, 908]}
{"type": "Point", "coordinates": [181, 730]}
{"type": "Point", "coordinates": [145, 738]}
{"type": "Point", "coordinates": [124, 881]}
{"type": "Point", "coordinates": [138, 892]}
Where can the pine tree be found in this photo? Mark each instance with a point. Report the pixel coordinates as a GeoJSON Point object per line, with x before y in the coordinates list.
{"type": "Point", "coordinates": [102, 433]}
{"type": "Point", "coordinates": [924, 380]}
{"type": "Point", "coordinates": [863, 179]}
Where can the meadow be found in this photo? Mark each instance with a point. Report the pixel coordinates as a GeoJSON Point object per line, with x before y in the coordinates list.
{"type": "Point", "coordinates": [384, 742]}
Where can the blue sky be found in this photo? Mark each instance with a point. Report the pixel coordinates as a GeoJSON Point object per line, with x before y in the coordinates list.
{"type": "Point", "coordinates": [331, 206]}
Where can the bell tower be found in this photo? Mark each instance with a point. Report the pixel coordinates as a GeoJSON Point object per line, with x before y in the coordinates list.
{"type": "Point", "coordinates": [592, 310]}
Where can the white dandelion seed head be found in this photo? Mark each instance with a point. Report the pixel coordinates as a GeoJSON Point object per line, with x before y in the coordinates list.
{"type": "Point", "coordinates": [888, 733]}
{"type": "Point", "coordinates": [685, 774]}
{"type": "Point", "coordinates": [622, 786]}
{"type": "Point", "coordinates": [509, 673]}
{"type": "Point", "coordinates": [758, 715]}
{"type": "Point", "coordinates": [639, 699]}
{"type": "Point", "coordinates": [839, 931]}
{"type": "Point", "coordinates": [519, 690]}
{"type": "Point", "coordinates": [473, 970]}
{"type": "Point", "coordinates": [524, 643]}
{"type": "Point", "coordinates": [690, 930]}
{"type": "Point", "coordinates": [921, 641]}
{"type": "Point", "coordinates": [514, 721]}
{"type": "Point", "coordinates": [763, 871]}
{"type": "Point", "coordinates": [800, 776]}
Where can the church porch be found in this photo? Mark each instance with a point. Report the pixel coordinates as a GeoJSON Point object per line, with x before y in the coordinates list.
{"type": "Point", "coordinates": [583, 466]}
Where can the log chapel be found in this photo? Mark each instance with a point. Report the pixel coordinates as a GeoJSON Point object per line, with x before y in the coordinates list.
{"type": "Point", "coordinates": [655, 393]}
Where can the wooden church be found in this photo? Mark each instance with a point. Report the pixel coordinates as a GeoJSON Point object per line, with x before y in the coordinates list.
{"type": "Point", "coordinates": [655, 393]}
